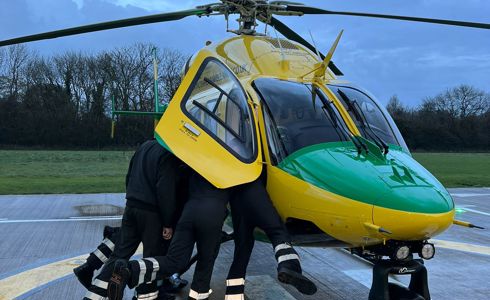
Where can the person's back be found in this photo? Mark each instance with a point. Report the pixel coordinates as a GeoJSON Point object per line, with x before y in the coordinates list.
{"type": "Point", "coordinates": [142, 177]}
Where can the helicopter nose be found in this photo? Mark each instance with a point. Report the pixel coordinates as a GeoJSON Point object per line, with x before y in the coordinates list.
{"type": "Point", "coordinates": [416, 213]}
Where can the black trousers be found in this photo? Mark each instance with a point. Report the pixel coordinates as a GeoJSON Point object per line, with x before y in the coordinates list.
{"type": "Point", "coordinates": [201, 224]}
{"type": "Point", "coordinates": [138, 225]}
{"type": "Point", "coordinates": [251, 208]}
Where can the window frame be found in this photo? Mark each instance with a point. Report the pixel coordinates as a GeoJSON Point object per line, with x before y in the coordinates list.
{"type": "Point", "coordinates": [373, 101]}
{"type": "Point", "coordinates": [202, 126]}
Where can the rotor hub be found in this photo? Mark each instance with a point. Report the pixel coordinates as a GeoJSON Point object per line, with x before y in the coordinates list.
{"type": "Point", "coordinates": [249, 12]}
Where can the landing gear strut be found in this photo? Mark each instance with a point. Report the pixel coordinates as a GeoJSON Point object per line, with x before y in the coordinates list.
{"type": "Point", "coordinates": [418, 288]}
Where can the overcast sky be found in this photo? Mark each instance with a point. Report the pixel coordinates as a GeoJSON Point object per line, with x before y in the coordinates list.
{"type": "Point", "coordinates": [385, 57]}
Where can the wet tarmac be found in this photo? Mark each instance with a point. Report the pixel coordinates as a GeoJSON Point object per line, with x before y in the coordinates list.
{"type": "Point", "coordinates": [43, 237]}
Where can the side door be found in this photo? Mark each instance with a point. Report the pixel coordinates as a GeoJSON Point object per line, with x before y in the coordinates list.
{"type": "Point", "coordinates": [210, 125]}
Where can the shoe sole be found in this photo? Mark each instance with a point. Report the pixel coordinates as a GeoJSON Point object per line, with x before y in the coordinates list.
{"type": "Point", "coordinates": [120, 275]}
{"type": "Point", "coordinates": [300, 282]}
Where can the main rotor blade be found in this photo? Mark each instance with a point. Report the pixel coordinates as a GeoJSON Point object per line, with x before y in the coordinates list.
{"type": "Point", "coordinates": [292, 35]}
{"type": "Point", "coordinates": [319, 11]}
{"type": "Point", "coordinates": [106, 25]}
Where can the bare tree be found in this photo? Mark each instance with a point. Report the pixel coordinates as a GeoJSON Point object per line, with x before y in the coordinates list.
{"type": "Point", "coordinates": [171, 70]}
{"type": "Point", "coordinates": [395, 107]}
{"type": "Point", "coordinates": [17, 58]}
{"type": "Point", "coordinates": [460, 102]}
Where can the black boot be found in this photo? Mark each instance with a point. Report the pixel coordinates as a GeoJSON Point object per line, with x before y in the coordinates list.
{"type": "Point", "coordinates": [289, 270]}
{"type": "Point", "coordinates": [119, 280]}
{"type": "Point", "coordinates": [296, 279]}
{"type": "Point", "coordinates": [84, 274]}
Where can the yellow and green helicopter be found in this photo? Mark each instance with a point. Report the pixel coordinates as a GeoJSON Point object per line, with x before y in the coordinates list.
{"type": "Point", "coordinates": [338, 170]}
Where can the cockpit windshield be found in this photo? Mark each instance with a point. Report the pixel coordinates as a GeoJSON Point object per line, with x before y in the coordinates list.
{"type": "Point", "coordinates": [373, 122]}
{"type": "Point", "coordinates": [299, 115]}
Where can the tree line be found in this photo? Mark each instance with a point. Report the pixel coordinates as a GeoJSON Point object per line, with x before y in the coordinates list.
{"type": "Point", "coordinates": [455, 120]}
{"type": "Point", "coordinates": [64, 101]}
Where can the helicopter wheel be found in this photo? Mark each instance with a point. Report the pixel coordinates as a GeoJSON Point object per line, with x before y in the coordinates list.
{"type": "Point", "coordinates": [418, 288]}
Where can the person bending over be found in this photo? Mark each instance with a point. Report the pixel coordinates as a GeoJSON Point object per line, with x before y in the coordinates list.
{"type": "Point", "coordinates": [149, 216]}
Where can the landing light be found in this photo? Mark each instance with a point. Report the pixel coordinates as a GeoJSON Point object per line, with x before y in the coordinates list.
{"type": "Point", "coordinates": [402, 252]}
{"type": "Point", "coordinates": [427, 252]}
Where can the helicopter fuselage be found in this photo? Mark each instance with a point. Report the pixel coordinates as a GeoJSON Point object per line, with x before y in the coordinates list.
{"type": "Point", "coordinates": [319, 139]}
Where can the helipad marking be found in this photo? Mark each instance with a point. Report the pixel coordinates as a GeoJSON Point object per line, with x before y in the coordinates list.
{"type": "Point", "coordinates": [466, 208]}
{"type": "Point", "coordinates": [70, 219]}
{"type": "Point", "coordinates": [464, 195]}
{"type": "Point", "coordinates": [472, 248]}
{"type": "Point", "coordinates": [19, 284]}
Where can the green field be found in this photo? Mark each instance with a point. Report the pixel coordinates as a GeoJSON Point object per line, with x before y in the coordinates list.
{"type": "Point", "coordinates": [43, 172]}
{"type": "Point", "coordinates": [458, 169]}
{"type": "Point", "coordinates": [47, 172]}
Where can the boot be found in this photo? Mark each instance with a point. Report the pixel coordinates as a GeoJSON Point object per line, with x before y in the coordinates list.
{"type": "Point", "coordinates": [289, 270]}
{"type": "Point", "coordinates": [119, 280]}
{"type": "Point", "coordinates": [84, 274]}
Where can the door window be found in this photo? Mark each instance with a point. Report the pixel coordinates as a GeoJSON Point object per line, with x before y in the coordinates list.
{"type": "Point", "coordinates": [217, 102]}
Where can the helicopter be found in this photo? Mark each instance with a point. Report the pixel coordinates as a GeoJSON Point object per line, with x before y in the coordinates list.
{"type": "Point", "coordinates": [338, 169]}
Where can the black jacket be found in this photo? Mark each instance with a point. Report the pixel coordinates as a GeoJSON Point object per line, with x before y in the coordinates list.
{"type": "Point", "coordinates": [153, 180]}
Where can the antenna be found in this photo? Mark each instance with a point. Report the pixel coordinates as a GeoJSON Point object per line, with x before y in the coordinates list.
{"type": "Point", "coordinates": [314, 44]}
{"type": "Point", "coordinates": [280, 46]}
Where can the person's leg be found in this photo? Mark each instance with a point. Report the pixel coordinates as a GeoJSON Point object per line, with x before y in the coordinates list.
{"type": "Point", "coordinates": [153, 245]}
{"type": "Point", "coordinates": [256, 206]}
{"type": "Point", "coordinates": [209, 224]}
{"type": "Point", "coordinates": [129, 242]}
{"type": "Point", "coordinates": [96, 259]}
{"type": "Point", "coordinates": [244, 243]}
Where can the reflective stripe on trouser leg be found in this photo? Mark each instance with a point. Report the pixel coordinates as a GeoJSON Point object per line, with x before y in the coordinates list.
{"type": "Point", "coordinates": [199, 296]}
{"type": "Point", "coordinates": [101, 284]}
{"type": "Point", "coordinates": [285, 252]}
{"type": "Point", "coordinates": [108, 243]}
{"type": "Point", "coordinates": [235, 289]}
{"type": "Point", "coordinates": [97, 258]}
{"type": "Point", "coordinates": [142, 273]}
{"type": "Point", "coordinates": [149, 296]}
{"type": "Point", "coordinates": [103, 258]}
{"type": "Point", "coordinates": [154, 268]}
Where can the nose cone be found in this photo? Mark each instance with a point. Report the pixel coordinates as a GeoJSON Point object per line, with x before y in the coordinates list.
{"type": "Point", "coordinates": [421, 212]}
{"type": "Point", "coordinates": [402, 192]}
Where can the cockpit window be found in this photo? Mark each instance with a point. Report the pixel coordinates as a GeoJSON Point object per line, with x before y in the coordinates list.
{"type": "Point", "coordinates": [367, 115]}
{"type": "Point", "coordinates": [217, 102]}
{"type": "Point", "coordinates": [301, 115]}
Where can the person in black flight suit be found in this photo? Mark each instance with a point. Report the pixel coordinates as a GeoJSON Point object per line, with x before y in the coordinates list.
{"type": "Point", "coordinates": [251, 207]}
{"type": "Point", "coordinates": [149, 216]}
{"type": "Point", "coordinates": [201, 222]}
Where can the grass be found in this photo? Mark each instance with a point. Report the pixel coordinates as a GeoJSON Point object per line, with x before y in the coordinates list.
{"type": "Point", "coordinates": [48, 172]}
{"type": "Point", "coordinates": [53, 172]}
{"type": "Point", "coordinates": [458, 169]}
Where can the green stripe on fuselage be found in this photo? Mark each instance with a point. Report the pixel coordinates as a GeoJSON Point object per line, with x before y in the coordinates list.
{"type": "Point", "coordinates": [394, 181]}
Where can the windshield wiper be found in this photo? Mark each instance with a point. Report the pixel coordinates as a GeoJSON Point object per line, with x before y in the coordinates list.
{"type": "Point", "coordinates": [383, 144]}
{"type": "Point", "coordinates": [361, 118]}
{"type": "Point", "coordinates": [335, 119]}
